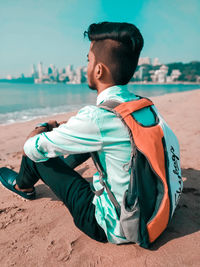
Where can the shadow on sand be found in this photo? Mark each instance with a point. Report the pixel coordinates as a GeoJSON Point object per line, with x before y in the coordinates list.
{"type": "Point", "coordinates": [186, 219]}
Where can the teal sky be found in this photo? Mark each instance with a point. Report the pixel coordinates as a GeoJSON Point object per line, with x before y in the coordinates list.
{"type": "Point", "coordinates": [51, 31]}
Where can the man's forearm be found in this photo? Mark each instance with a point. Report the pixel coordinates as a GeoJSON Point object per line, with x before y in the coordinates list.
{"type": "Point", "coordinates": [41, 129]}
{"type": "Point", "coordinates": [36, 131]}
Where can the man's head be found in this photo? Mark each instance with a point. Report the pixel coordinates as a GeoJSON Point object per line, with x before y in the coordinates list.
{"type": "Point", "coordinates": [114, 53]}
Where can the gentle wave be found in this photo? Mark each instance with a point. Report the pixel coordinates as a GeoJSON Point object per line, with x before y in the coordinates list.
{"type": "Point", "coordinates": [31, 114]}
{"type": "Point", "coordinates": [25, 102]}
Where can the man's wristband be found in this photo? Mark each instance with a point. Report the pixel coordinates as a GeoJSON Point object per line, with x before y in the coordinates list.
{"type": "Point", "coordinates": [44, 124]}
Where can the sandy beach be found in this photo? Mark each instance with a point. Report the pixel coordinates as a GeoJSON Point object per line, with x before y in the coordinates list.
{"type": "Point", "coordinates": [42, 232]}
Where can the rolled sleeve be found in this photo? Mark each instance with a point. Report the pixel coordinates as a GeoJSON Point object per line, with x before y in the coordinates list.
{"type": "Point", "coordinates": [32, 151]}
{"type": "Point", "coordinates": [80, 134]}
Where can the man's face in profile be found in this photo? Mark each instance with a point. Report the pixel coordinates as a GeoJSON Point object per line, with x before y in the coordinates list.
{"type": "Point", "coordinates": [90, 69]}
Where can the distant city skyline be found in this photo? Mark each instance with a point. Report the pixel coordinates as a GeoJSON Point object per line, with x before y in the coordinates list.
{"type": "Point", "coordinates": [44, 68]}
{"type": "Point", "coordinates": [148, 70]}
{"type": "Point", "coordinates": [52, 31]}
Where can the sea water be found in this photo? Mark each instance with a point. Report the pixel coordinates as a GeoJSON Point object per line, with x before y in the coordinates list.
{"type": "Point", "coordinates": [23, 102]}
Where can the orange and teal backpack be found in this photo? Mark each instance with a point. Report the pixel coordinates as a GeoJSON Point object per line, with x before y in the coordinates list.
{"type": "Point", "coordinates": [155, 181]}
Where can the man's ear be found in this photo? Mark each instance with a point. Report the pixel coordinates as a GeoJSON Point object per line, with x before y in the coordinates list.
{"type": "Point", "coordinates": [99, 71]}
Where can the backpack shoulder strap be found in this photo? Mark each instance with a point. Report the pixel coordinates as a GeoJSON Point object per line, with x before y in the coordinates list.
{"type": "Point", "coordinates": [110, 104]}
{"type": "Point", "coordinates": [99, 167]}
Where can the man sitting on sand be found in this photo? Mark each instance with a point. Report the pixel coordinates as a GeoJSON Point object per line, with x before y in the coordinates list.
{"type": "Point", "coordinates": [112, 61]}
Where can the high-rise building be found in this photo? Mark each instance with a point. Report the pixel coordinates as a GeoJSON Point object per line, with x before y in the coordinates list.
{"type": "Point", "coordinates": [141, 73]}
{"type": "Point", "coordinates": [40, 70]}
{"type": "Point", "coordinates": [156, 61]}
{"type": "Point", "coordinates": [69, 69]}
{"type": "Point", "coordinates": [61, 71]}
{"type": "Point", "coordinates": [34, 73]}
{"type": "Point", "coordinates": [144, 60]}
{"type": "Point", "coordinates": [175, 74]}
{"type": "Point", "coordinates": [80, 75]}
{"type": "Point", "coordinates": [162, 74]}
{"type": "Point", "coordinates": [70, 73]}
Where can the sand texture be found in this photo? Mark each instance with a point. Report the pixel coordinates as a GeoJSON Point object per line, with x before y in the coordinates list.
{"type": "Point", "coordinates": [42, 232]}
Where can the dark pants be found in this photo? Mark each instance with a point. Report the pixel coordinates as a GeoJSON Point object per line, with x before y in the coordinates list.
{"type": "Point", "coordinates": [73, 190]}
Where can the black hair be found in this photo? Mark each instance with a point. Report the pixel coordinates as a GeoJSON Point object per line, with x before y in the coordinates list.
{"type": "Point", "coordinates": [118, 46]}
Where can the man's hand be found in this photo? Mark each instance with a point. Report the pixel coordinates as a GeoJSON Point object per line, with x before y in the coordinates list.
{"type": "Point", "coordinates": [40, 129]}
{"type": "Point", "coordinates": [51, 124]}
{"type": "Point", "coordinates": [62, 122]}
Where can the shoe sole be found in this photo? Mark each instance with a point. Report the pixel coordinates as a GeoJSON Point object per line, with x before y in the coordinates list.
{"type": "Point", "coordinates": [15, 194]}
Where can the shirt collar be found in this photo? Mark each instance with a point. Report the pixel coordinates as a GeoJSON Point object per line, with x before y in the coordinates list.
{"type": "Point", "coordinates": [110, 92]}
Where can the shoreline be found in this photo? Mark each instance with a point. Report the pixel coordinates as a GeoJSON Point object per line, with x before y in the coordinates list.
{"type": "Point", "coordinates": [42, 232]}
{"type": "Point", "coordinates": [39, 118]}
{"type": "Point", "coordinates": [36, 118]}
{"type": "Point", "coordinates": [136, 82]}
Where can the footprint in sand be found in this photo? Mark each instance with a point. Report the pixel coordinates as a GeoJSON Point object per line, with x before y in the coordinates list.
{"type": "Point", "coordinates": [17, 155]}
{"type": "Point", "coordinates": [61, 250]}
{"type": "Point", "coordinates": [11, 215]}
